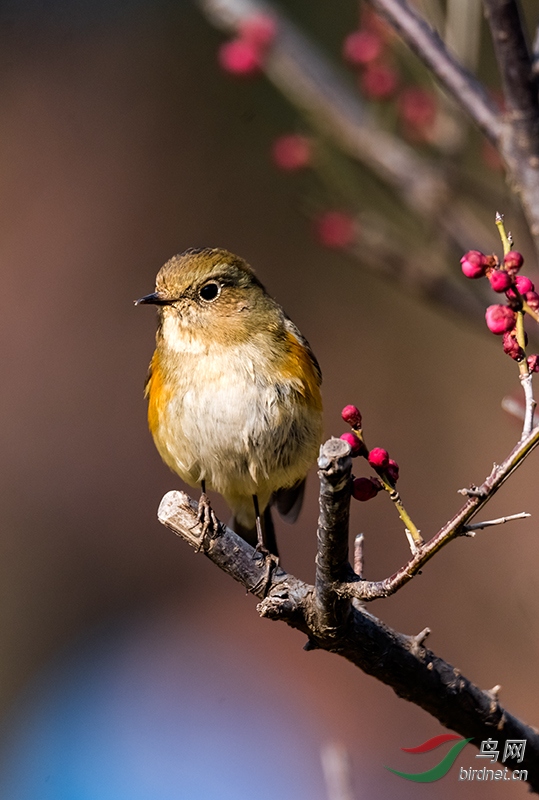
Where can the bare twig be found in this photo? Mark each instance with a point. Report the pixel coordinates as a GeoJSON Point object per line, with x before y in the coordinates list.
{"type": "Point", "coordinates": [427, 44]}
{"type": "Point", "coordinates": [371, 590]}
{"type": "Point", "coordinates": [530, 404]}
{"type": "Point", "coordinates": [414, 672]}
{"type": "Point", "coordinates": [478, 526]}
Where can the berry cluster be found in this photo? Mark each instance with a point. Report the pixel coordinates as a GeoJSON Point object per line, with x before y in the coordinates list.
{"type": "Point", "coordinates": [245, 54]}
{"type": "Point", "coordinates": [378, 458]}
{"type": "Point", "coordinates": [369, 50]}
{"type": "Point", "coordinates": [520, 295]}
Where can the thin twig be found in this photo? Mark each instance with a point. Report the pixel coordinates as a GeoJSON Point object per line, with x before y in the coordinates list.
{"type": "Point", "coordinates": [479, 496]}
{"type": "Point", "coordinates": [477, 526]}
{"type": "Point", "coordinates": [530, 404]}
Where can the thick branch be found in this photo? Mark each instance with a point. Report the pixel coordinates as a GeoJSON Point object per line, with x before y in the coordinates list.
{"type": "Point", "coordinates": [520, 141]}
{"type": "Point", "coordinates": [427, 44]}
{"type": "Point", "coordinates": [413, 672]}
{"type": "Point", "coordinates": [332, 567]}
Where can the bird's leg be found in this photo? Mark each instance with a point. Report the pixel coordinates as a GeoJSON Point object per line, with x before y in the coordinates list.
{"type": "Point", "coordinates": [206, 517]}
{"type": "Point", "coordinates": [270, 561]}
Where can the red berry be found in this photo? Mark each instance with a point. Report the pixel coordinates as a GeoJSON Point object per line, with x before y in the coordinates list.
{"type": "Point", "coordinates": [417, 107]}
{"type": "Point", "coordinates": [258, 29]}
{"type": "Point", "coordinates": [378, 458]}
{"type": "Point", "coordinates": [365, 488]}
{"type": "Point", "coordinates": [379, 81]}
{"type": "Point", "coordinates": [355, 443]}
{"type": "Point", "coordinates": [392, 470]}
{"type": "Point", "coordinates": [532, 299]}
{"type": "Point", "coordinates": [511, 347]}
{"type": "Point", "coordinates": [291, 152]}
{"type": "Point", "coordinates": [533, 363]}
{"type": "Point", "coordinates": [500, 280]}
{"type": "Point", "coordinates": [500, 319]}
{"type": "Point", "coordinates": [335, 229]}
{"type": "Point", "coordinates": [352, 415]}
{"type": "Point", "coordinates": [524, 284]}
{"type": "Point", "coordinates": [474, 263]}
{"type": "Point", "coordinates": [362, 46]}
{"type": "Point", "coordinates": [240, 57]}
{"type": "Point", "coordinates": [513, 261]}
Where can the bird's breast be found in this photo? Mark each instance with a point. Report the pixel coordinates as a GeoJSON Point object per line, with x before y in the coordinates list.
{"type": "Point", "coordinates": [234, 419]}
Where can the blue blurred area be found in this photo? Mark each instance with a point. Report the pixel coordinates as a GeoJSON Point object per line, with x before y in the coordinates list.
{"type": "Point", "coordinates": [142, 713]}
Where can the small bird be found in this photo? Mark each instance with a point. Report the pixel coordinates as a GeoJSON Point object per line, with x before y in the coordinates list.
{"type": "Point", "coordinates": [233, 390]}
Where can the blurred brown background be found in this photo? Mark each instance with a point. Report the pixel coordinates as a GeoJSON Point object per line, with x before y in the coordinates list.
{"type": "Point", "coordinates": [121, 144]}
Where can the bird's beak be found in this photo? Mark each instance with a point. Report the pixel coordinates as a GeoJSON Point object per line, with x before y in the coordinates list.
{"type": "Point", "coordinates": [155, 299]}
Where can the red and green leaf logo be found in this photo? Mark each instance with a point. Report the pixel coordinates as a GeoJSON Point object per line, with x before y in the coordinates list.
{"type": "Point", "coordinates": [443, 767]}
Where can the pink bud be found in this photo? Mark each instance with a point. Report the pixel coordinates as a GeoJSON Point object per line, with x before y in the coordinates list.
{"type": "Point", "coordinates": [379, 81]}
{"type": "Point", "coordinates": [524, 284]}
{"type": "Point", "coordinates": [291, 152]}
{"type": "Point", "coordinates": [533, 363]}
{"type": "Point", "coordinates": [532, 299]}
{"type": "Point", "coordinates": [258, 29]}
{"type": "Point", "coordinates": [474, 263]}
{"type": "Point", "coordinates": [352, 415]}
{"type": "Point", "coordinates": [511, 347]}
{"type": "Point", "coordinates": [392, 470]}
{"type": "Point", "coordinates": [362, 46]}
{"type": "Point", "coordinates": [365, 488]}
{"type": "Point", "coordinates": [500, 280]}
{"type": "Point", "coordinates": [335, 229]}
{"type": "Point", "coordinates": [500, 319]}
{"type": "Point", "coordinates": [513, 261]}
{"type": "Point", "coordinates": [417, 107]}
{"type": "Point", "coordinates": [355, 443]}
{"type": "Point", "coordinates": [240, 57]}
{"type": "Point", "coordinates": [378, 458]}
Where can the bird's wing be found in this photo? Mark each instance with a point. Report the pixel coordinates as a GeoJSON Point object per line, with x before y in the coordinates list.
{"type": "Point", "coordinates": [296, 333]}
{"type": "Point", "coordinates": [288, 502]}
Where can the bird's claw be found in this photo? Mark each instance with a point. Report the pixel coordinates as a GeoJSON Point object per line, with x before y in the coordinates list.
{"type": "Point", "coordinates": [269, 563]}
{"type": "Point", "coordinates": [207, 519]}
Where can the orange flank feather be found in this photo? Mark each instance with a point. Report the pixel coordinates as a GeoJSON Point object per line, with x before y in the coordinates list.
{"type": "Point", "coordinates": [299, 367]}
{"type": "Point", "coordinates": [157, 392]}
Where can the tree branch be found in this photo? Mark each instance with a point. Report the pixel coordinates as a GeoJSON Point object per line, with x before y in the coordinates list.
{"type": "Point", "coordinates": [427, 44]}
{"type": "Point", "coordinates": [478, 497]}
{"type": "Point", "coordinates": [520, 141]}
{"type": "Point", "coordinates": [400, 661]}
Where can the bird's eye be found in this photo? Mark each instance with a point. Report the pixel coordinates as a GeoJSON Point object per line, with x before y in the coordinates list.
{"type": "Point", "coordinates": [210, 291]}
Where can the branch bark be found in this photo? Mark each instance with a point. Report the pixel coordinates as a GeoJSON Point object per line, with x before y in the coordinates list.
{"type": "Point", "coordinates": [402, 662]}
{"type": "Point", "coordinates": [519, 143]}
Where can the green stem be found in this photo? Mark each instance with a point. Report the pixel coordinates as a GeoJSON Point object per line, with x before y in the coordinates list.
{"type": "Point", "coordinates": [503, 235]}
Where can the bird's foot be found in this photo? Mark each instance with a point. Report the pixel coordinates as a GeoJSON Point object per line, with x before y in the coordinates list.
{"type": "Point", "coordinates": [269, 563]}
{"type": "Point", "coordinates": [207, 519]}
